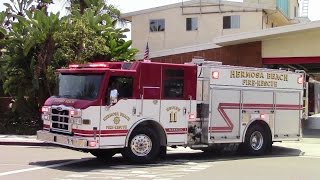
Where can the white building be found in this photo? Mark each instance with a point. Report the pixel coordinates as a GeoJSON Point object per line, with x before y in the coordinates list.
{"type": "Point", "coordinates": [195, 22]}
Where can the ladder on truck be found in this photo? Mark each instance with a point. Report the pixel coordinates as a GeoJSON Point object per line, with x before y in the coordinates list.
{"type": "Point", "coordinates": [304, 8]}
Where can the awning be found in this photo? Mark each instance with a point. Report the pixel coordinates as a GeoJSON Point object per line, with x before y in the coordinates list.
{"type": "Point", "coordinates": [291, 60]}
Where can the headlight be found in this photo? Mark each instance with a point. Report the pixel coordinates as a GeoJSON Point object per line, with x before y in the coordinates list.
{"type": "Point", "coordinates": [46, 109]}
{"type": "Point", "coordinates": [75, 113]}
{"type": "Point", "coordinates": [45, 117]}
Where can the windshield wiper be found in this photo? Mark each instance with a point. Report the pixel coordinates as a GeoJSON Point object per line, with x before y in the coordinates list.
{"type": "Point", "coordinates": [66, 96]}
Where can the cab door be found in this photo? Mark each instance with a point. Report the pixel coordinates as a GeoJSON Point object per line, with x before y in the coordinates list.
{"type": "Point", "coordinates": [117, 114]}
{"type": "Point", "coordinates": [174, 105]}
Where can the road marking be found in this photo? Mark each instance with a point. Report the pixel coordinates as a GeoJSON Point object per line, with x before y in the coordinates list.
{"type": "Point", "coordinates": [43, 167]}
{"type": "Point", "coordinates": [77, 176]}
{"type": "Point", "coordinates": [308, 156]}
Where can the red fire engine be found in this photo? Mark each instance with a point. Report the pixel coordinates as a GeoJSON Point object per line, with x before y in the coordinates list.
{"type": "Point", "coordinates": [140, 108]}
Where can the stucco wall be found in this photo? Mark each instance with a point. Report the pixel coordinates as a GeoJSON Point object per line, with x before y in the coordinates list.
{"type": "Point", "coordinates": [275, 20]}
{"type": "Point", "coordinates": [304, 44]}
{"type": "Point", "coordinates": [210, 25]}
{"type": "Point", "coordinates": [292, 4]}
{"type": "Point", "coordinates": [273, 2]}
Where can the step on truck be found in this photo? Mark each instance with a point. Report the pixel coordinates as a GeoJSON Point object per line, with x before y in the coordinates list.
{"type": "Point", "coordinates": [139, 109]}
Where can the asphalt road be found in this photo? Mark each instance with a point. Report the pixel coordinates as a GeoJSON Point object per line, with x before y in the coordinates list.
{"type": "Point", "coordinates": [296, 160]}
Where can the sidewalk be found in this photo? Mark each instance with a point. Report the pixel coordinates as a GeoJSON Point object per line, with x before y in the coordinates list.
{"type": "Point", "coordinates": [21, 140]}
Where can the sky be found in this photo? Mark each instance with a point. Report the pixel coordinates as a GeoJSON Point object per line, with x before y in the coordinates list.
{"type": "Point", "coordinates": [129, 5]}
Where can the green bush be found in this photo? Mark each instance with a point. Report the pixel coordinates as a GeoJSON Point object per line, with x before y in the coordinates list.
{"type": "Point", "coordinates": [18, 124]}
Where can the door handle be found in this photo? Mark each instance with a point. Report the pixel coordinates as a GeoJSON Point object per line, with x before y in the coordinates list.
{"type": "Point", "coordinates": [184, 110]}
{"type": "Point", "coordinates": [134, 110]}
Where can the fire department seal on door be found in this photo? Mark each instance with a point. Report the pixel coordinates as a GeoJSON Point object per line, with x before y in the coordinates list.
{"type": "Point", "coordinates": [173, 113]}
{"type": "Point", "coordinates": [118, 122]}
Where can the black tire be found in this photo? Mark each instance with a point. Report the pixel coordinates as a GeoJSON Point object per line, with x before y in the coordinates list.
{"type": "Point", "coordinates": [104, 154]}
{"type": "Point", "coordinates": [150, 154]}
{"type": "Point", "coordinates": [257, 141]}
{"type": "Point", "coordinates": [217, 149]}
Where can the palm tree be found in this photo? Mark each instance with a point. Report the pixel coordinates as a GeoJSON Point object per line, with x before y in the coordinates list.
{"type": "Point", "coordinates": [99, 7]}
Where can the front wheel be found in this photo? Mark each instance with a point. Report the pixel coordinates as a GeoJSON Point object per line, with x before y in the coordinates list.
{"type": "Point", "coordinates": [257, 141]}
{"type": "Point", "coordinates": [143, 146]}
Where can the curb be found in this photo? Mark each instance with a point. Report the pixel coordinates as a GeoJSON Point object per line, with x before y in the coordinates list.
{"type": "Point", "coordinates": [21, 143]}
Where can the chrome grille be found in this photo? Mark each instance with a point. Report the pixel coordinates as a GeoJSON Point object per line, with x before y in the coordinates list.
{"type": "Point", "coordinates": [60, 120]}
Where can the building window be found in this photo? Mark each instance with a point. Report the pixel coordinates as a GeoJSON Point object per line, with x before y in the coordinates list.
{"type": "Point", "coordinates": [174, 83]}
{"type": "Point", "coordinates": [231, 22]}
{"type": "Point", "coordinates": [192, 24]}
{"type": "Point", "coordinates": [157, 25]}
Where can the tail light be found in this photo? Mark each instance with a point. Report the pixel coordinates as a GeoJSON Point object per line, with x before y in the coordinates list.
{"type": "Point", "coordinates": [262, 116]}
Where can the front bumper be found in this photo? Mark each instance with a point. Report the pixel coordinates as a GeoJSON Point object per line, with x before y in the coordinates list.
{"type": "Point", "coordinates": [63, 140]}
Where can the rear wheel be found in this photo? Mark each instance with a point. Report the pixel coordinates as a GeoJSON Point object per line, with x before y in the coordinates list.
{"type": "Point", "coordinates": [257, 141]}
{"type": "Point", "coordinates": [143, 146]}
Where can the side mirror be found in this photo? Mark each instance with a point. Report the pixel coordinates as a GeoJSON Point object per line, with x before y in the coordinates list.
{"type": "Point", "coordinates": [113, 100]}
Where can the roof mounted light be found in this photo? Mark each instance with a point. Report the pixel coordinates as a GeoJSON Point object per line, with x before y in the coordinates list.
{"type": "Point", "coordinates": [300, 80]}
{"type": "Point", "coordinates": [215, 75]}
{"type": "Point", "coordinates": [73, 65]}
{"type": "Point", "coordinates": [95, 65]}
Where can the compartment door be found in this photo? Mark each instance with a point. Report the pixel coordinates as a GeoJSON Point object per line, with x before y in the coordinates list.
{"type": "Point", "coordinates": [225, 114]}
{"type": "Point", "coordinates": [287, 115]}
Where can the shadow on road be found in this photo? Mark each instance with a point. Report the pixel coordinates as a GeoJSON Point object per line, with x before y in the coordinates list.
{"type": "Point", "coordinates": [180, 158]}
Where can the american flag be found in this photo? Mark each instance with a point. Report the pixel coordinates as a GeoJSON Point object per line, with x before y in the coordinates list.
{"type": "Point", "coordinates": [146, 53]}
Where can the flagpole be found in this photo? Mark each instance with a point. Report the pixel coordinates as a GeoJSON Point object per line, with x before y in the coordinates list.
{"type": "Point", "coordinates": [146, 57]}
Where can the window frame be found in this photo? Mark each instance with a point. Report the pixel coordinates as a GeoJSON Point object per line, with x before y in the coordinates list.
{"type": "Point", "coordinates": [191, 27]}
{"type": "Point", "coordinates": [167, 78]}
{"type": "Point", "coordinates": [229, 22]}
{"type": "Point", "coordinates": [106, 95]}
{"type": "Point", "coordinates": [157, 25]}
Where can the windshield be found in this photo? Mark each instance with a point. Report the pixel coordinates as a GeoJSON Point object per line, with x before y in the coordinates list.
{"type": "Point", "coordinates": [79, 86]}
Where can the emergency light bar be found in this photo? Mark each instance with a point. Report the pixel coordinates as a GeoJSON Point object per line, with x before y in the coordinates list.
{"type": "Point", "coordinates": [98, 65]}
{"type": "Point", "coordinates": [90, 65]}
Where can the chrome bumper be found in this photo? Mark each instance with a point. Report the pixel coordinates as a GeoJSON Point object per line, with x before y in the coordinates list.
{"type": "Point", "coordinates": [69, 141]}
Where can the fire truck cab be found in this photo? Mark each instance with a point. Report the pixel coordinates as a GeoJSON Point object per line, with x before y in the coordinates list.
{"type": "Point", "coordinates": [140, 108]}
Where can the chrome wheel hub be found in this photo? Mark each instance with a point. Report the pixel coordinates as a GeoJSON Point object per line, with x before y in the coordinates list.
{"type": "Point", "coordinates": [141, 145]}
{"type": "Point", "coordinates": [256, 140]}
